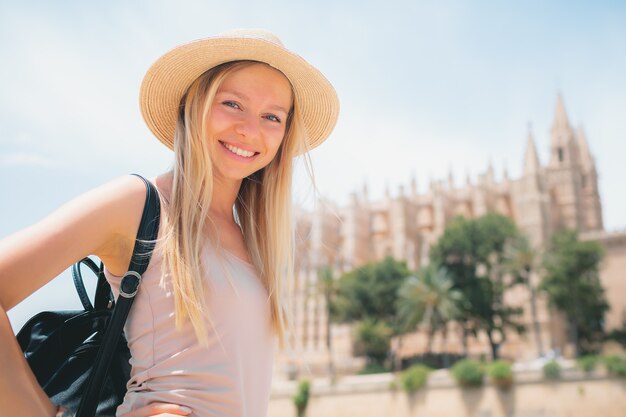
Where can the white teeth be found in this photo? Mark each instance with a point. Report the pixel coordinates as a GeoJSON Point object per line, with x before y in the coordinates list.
{"type": "Point", "coordinates": [238, 151]}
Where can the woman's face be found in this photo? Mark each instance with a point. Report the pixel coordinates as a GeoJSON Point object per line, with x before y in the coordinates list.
{"type": "Point", "coordinates": [247, 121]}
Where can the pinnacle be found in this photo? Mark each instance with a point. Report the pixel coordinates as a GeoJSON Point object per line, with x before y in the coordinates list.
{"type": "Point", "coordinates": [560, 116]}
{"type": "Point", "coordinates": [531, 159]}
{"type": "Point", "coordinates": [583, 147]}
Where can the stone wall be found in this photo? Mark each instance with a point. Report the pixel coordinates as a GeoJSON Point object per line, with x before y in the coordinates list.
{"type": "Point", "coordinates": [576, 395]}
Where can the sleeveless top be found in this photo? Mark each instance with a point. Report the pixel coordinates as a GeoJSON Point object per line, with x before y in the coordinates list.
{"type": "Point", "coordinates": [231, 377]}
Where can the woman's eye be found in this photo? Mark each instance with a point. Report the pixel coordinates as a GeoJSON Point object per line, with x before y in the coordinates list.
{"type": "Point", "coordinates": [272, 118]}
{"type": "Point", "coordinates": [231, 104]}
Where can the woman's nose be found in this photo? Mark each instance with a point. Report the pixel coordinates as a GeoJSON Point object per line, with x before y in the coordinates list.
{"type": "Point", "coordinates": [248, 126]}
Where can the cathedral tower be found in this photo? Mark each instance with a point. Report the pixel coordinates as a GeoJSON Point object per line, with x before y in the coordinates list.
{"type": "Point", "coordinates": [564, 174]}
{"type": "Point", "coordinates": [592, 207]}
{"type": "Point", "coordinates": [530, 197]}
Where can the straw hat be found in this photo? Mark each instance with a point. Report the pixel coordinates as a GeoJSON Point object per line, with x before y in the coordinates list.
{"type": "Point", "coordinates": [171, 75]}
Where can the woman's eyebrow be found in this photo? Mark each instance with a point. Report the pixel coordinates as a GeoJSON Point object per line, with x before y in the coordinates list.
{"type": "Point", "coordinates": [242, 96]}
{"type": "Point", "coordinates": [235, 93]}
{"type": "Point", "coordinates": [279, 108]}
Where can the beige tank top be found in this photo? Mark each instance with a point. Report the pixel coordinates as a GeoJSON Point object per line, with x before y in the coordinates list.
{"type": "Point", "coordinates": [232, 376]}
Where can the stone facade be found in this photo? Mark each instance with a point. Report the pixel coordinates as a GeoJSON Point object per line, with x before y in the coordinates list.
{"type": "Point", "coordinates": [561, 193]}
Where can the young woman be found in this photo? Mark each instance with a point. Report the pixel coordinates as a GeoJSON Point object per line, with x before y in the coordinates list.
{"type": "Point", "coordinates": [236, 109]}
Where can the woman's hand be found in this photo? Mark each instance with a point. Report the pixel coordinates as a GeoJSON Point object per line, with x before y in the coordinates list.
{"type": "Point", "coordinates": [159, 410]}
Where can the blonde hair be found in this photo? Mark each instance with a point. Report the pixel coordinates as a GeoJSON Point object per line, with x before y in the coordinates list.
{"type": "Point", "coordinates": [263, 208]}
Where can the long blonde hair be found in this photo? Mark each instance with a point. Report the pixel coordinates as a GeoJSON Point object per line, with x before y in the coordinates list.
{"type": "Point", "coordinates": [263, 208]}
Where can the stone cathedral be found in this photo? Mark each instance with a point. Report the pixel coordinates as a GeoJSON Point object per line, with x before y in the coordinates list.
{"type": "Point", "coordinates": [563, 192]}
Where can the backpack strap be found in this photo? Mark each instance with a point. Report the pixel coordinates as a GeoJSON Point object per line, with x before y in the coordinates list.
{"type": "Point", "coordinates": [144, 245]}
{"type": "Point", "coordinates": [77, 276]}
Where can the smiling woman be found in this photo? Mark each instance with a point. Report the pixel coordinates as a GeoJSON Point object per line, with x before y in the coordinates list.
{"type": "Point", "coordinates": [235, 109]}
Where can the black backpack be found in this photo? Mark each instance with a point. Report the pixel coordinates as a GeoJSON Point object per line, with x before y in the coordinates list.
{"type": "Point", "coordinates": [81, 358]}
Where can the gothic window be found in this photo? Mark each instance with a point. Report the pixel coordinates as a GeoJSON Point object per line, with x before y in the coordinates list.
{"type": "Point", "coordinates": [560, 152]}
{"type": "Point", "coordinates": [584, 180]}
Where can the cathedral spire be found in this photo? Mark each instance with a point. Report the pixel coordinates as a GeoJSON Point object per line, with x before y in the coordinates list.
{"type": "Point", "coordinates": [365, 192]}
{"type": "Point", "coordinates": [583, 147]}
{"type": "Point", "coordinates": [560, 116]}
{"type": "Point", "coordinates": [531, 159]}
{"type": "Point", "coordinates": [413, 185]}
{"type": "Point", "coordinates": [491, 176]}
{"type": "Point", "coordinates": [563, 146]}
{"type": "Point", "coordinates": [450, 178]}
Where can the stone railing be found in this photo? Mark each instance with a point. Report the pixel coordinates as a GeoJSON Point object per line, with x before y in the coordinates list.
{"type": "Point", "coordinates": [575, 394]}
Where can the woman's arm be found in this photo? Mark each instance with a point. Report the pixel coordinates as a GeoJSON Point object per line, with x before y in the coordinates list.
{"type": "Point", "coordinates": [102, 222]}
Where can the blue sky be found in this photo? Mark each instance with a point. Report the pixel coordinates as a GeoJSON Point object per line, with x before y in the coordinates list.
{"type": "Point", "coordinates": [425, 87]}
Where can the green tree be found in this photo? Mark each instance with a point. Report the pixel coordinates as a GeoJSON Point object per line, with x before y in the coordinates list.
{"type": "Point", "coordinates": [619, 334]}
{"type": "Point", "coordinates": [524, 262]}
{"type": "Point", "coordinates": [370, 291]}
{"type": "Point", "coordinates": [429, 299]}
{"type": "Point", "coordinates": [573, 286]}
{"type": "Point", "coordinates": [473, 253]}
{"type": "Point", "coordinates": [368, 295]}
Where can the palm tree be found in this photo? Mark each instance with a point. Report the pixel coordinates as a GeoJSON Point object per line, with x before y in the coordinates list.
{"type": "Point", "coordinates": [327, 287]}
{"type": "Point", "coordinates": [410, 313]}
{"type": "Point", "coordinates": [523, 262]}
{"type": "Point", "coordinates": [428, 299]}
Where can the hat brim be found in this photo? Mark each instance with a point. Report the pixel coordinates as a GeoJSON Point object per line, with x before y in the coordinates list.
{"type": "Point", "coordinates": [171, 75]}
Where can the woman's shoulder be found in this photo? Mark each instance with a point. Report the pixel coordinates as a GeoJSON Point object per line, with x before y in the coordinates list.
{"type": "Point", "coordinates": [121, 203]}
{"type": "Point", "coordinates": [122, 199]}
{"type": "Point", "coordinates": [126, 195]}
{"type": "Point", "coordinates": [124, 188]}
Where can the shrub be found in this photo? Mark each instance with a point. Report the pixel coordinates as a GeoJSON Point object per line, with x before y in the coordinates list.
{"type": "Point", "coordinates": [373, 368]}
{"type": "Point", "coordinates": [394, 385]}
{"type": "Point", "coordinates": [501, 374]}
{"type": "Point", "coordinates": [433, 360]}
{"type": "Point", "coordinates": [414, 378]}
{"type": "Point", "coordinates": [301, 399]}
{"type": "Point", "coordinates": [372, 340]}
{"type": "Point", "coordinates": [616, 365]}
{"type": "Point", "coordinates": [588, 363]}
{"type": "Point", "coordinates": [552, 370]}
{"type": "Point", "coordinates": [468, 373]}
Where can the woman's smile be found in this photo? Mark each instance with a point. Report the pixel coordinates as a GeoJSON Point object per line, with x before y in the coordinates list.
{"type": "Point", "coordinates": [239, 153]}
